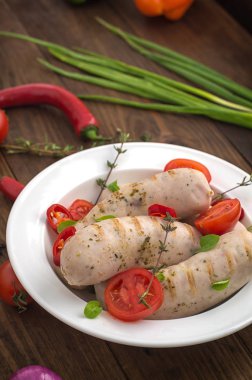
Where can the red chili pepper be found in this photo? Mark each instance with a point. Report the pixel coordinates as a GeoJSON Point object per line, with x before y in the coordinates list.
{"type": "Point", "coordinates": [10, 187]}
{"type": "Point", "coordinates": [56, 214]}
{"type": "Point", "coordinates": [161, 211]}
{"type": "Point", "coordinates": [60, 242]}
{"type": "Point", "coordinates": [83, 122]}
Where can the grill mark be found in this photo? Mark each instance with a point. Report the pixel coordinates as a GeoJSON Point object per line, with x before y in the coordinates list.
{"type": "Point", "coordinates": [230, 262]}
{"type": "Point", "coordinates": [210, 270]}
{"type": "Point", "coordinates": [191, 280]}
{"type": "Point", "coordinates": [189, 230]}
{"type": "Point", "coordinates": [171, 288]}
{"type": "Point", "coordinates": [119, 227]}
{"type": "Point", "coordinates": [154, 178]}
{"type": "Point", "coordinates": [100, 207]}
{"type": "Point", "coordinates": [99, 230]}
{"type": "Point", "coordinates": [248, 251]}
{"type": "Point", "coordinates": [155, 222]}
{"type": "Point", "coordinates": [137, 225]}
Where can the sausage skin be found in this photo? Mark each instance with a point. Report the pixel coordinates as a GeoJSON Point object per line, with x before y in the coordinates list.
{"type": "Point", "coordinates": [185, 190]}
{"type": "Point", "coordinates": [188, 285]}
{"type": "Point", "coordinates": [101, 250]}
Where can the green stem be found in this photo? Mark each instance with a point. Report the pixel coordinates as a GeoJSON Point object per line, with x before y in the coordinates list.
{"type": "Point", "coordinates": [208, 72]}
{"type": "Point", "coordinates": [234, 117]}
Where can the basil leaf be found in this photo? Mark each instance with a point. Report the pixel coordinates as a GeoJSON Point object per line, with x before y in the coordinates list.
{"type": "Point", "coordinates": [65, 224]}
{"type": "Point", "coordinates": [105, 217]}
{"type": "Point", "coordinates": [220, 285]}
{"type": "Point", "coordinates": [208, 242]}
{"type": "Point", "coordinates": [113, 186]}
{"type": "Point", "coordinates": [249, 228]}
{"type": "Point", "coordinates": [92, 309]}
{"type": "Point", "coordinates": [160, 276]}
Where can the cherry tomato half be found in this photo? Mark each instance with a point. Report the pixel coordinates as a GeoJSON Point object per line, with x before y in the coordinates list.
{"type": "Point", "coordinates": [56, 214]}
{"type": "Point", "coordinates": [12, 291]}
{"type": "Point", "coordinates": [219, 218]}
{"type": "Point", "coordinates": [4, 125]}
{"type": "Point", "coordinates": [60, 242]}
{"type": "Point", "coordinates": [80, 208]}
{"type": "Point", "coordinates": [161, 211]}
{"type": "Point", "coordinates": [123, 292]}
{"type": "Point", "coordinates": [185, 163]}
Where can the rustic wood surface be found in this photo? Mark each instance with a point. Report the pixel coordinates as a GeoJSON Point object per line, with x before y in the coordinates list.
{"type": "Point", "coordinates": [208, 34]}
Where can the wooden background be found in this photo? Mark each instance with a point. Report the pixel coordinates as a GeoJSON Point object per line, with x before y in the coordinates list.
{"type": "Point", "coordinates": [207, 33]}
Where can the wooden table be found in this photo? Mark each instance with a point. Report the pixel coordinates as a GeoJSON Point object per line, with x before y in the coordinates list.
{"type": "Point", "coordinates": [208, 34]}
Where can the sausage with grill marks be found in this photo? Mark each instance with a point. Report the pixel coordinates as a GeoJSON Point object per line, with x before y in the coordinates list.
{"type": "Point", "coordinates": [99, 251]}
{"type": "Point", "coordinates": [185, 190]}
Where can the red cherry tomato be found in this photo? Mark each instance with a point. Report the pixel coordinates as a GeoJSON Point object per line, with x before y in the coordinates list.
{"type": "Point", "coordinates": [185, 163]}
{"type": "Point", "coordinates": [4, 125]}
{"type": "Point", "coordinates": [60, 242]}
{"type": "Point", "coordinates": [80, 208]}
{"type": "Point", "coordinates": [123, 292]}
{"type": "Point", "coordinates": [161, 211]}
{"type": "Point", "coordinates": [219, 218]}
{"type": "Point", "coordinates": [56, 214]}
{"type": "Point", "coordinates": [12, 291]}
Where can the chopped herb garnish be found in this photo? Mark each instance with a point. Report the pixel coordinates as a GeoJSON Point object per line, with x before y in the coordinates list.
{"type": "Point", "coordinates": [92, 309]}
{"type": "Point", "coordinates": [104, 217]}
{"type": "Point", "coordinates": [208, 242]}
{"type": "Point", "coordinates": [65, 224]}
{"type": "Point", "coordinates": [113, 186]}
{"type": "Point", "coordinates": [220, 285]}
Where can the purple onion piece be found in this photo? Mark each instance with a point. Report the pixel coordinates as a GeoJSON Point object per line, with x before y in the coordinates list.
{"type": "Point", "coordinates": [35, 372]}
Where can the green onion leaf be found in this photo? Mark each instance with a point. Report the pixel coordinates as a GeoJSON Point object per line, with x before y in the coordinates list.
{"type": "Point", "coordinates": [65, 224]}
{"type": "Point", "coordinates": [208, 242]}
{"type": "Point", "coordinates": [220, 285]}
{"type": "Point", "coordinates": [113, 186]}
{"type": "Point", "coordinates": [105, 217]}
{"type": "Point", "coordinates": [92, 309]}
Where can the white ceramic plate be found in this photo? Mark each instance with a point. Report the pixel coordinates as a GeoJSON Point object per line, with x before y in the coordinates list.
{"type": "Point", "coordinates": [30, 242]}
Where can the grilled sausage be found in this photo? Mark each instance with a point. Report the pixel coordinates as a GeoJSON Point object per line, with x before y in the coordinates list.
{"type": "Point", "coordinates": [185, 190]}
{"type": "Point", "coordinates": [188, 285]}
{"type": "Point", "coordinates": [99, 251]}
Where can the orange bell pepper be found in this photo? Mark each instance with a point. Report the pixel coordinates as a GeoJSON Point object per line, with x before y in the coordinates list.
{"type": "Point", "coordinates": [171, 9]}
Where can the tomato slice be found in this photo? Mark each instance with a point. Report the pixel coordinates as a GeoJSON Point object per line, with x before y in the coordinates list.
{"type": "Point", "coordinates": [80, 208]}
{"type": "Point", "coordinates": [60, 242]}
{"type": "Point", "coordinates": [123, 292]}
{"type": "Point", "coordinates": [219, 218]}
{"type": "Point", "coordinates": [161, 211]}
{"type": "Point", "coordinates": [178, 163]}
{"type": "Point", "coordinates": [56, 214]}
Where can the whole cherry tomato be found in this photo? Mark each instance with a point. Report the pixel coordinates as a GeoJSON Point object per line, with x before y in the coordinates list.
{"type": "Point", "coordinates": [186, 163]}
{"type": "Point", "coordinates": [12, 291]}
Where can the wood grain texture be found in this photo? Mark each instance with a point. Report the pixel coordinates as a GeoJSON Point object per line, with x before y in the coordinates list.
{"type": "Point", "coordinates": [208, 34]}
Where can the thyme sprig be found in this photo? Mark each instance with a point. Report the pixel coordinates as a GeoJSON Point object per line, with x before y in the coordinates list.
{"type": "Point", "coordinates": [168, 227]}
{"type": "Point", "coordinates": [50, 149]}
{"type": "Point", "coordinates": [102, 183]}
{"type": "Point", "coordinates": [247, 181]}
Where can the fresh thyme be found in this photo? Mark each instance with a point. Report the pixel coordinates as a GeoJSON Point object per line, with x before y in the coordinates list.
{"type": "Point", "coordinates": [168, 227]}
{"type": "Point", "coordinates": [112, 165]}
{"type": "Point", "coordinates": [247, 181]}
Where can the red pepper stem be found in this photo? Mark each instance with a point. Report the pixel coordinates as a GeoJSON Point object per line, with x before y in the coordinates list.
{"type": "Point", "coordinates": [91, 133]}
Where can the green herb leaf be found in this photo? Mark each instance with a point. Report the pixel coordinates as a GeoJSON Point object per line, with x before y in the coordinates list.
{"type": "Point", "coordinates": [113, 186]}
{"type": "Point", "coordinates": [105, 217]}
{"type": "Point", "coordinates": [160, 276]}
{"type": "Point", "coordinates": [249, 229]}
{"type": "Point", "coordinates": [220, 285]}
{"type": "Point", "coordinates": [92, 309]}
{"type": "Point", "coordinates": [65, 224]}
{"type": "Point", "coordinates": [208, 242]}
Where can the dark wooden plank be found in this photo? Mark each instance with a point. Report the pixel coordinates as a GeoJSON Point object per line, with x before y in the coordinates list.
{"type": "Point", "coordinates": [241, 11]}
